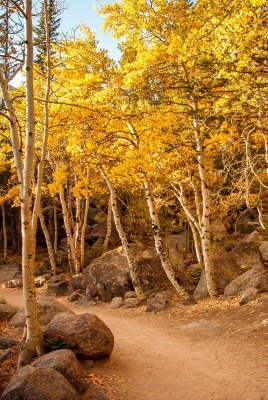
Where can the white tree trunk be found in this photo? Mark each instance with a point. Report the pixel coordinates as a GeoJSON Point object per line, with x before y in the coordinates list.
{"type": "Point", "coordinates": [77, 236]}
{"type": "Point", "coordinates": [125, 245]}
{"type": "Point", "coordinates": [205, 222]}
{"type": "Point", "coordinates": [4, 232]}
{"type": "Point", "coordinates": [205, 194]}
{"type": "Point", "coordinates": [70, 241]}
{"type": "Point", "coordinates": [48, 243]}
{"type": "Point", "coordinates": [55, 244]}
{"type": "Point", "coordinates": [109, 225]}
{"type": "Point", "coordinates": [33, 337]}
{"type": "Point", "coordinates": [84, 227]}
{"type": "Point", "coordinates": [159, 243]}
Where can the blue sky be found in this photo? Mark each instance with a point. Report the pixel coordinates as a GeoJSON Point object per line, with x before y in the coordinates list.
{"type": "Point", "coordinates": [83, 11]}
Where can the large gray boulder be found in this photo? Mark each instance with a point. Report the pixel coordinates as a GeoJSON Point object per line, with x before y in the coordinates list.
{"type": "Point", "coordinates": [85, 334]}
{"type": "Point", "coordinates": [247, 255]}
{"type": "Point", "coordinates": [254, 278]}
{"type": "Point", "coordinates": [31, 383]}
{"type": "Point", "coordinates": [226, 270]}
{"type": "Point", "coordinates": [7, 311]}
{"type": "Point", "coordinates": [108, 276]}
{"type": "Point", "coordinates": [263, 249]}
{"type": "Point", "coordinates": [65, 362]}
{"type": "Point", "coordinates": [9, 272]}
{"type": "Point", "coordinates": [46, 310]}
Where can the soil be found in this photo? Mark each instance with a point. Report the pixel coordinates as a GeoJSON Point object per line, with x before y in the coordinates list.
{"type": "Point", "coordinates": [214, 350]}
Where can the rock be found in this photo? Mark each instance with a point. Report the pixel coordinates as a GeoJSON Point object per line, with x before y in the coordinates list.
{"type": "Point", "coordinates": [65, 362]}
{"type": "Point", "coordinates": [176, 245]}
{"type": "Point", "coordinates": [3, 301]}
{"type": "Point", "coordinates": [14, 283]}
{"type": "Point", "coordinates": [253, 237]}
{"type": "Point", "coordinates": [248, 295]}
{"type": "Point", "coordinates": [9, 272]}
{"type": "Point", "coordinates": [77, 295]}
{"type": "Point", "coordinates": [254, 278]}
{"type": "Point", "coordinates": [247, 255]}
{"type": "Point", "coordinates": [87, 364]}
{"type": "Point", "coordinates": [131, 303]}
{"type": "Point", "coordinates": [7, 311]}
{"type": "Point", "coordinates": [40, 281]}
{"type": "Point", "coordinates": [108, 276]}
{"type": "Point", "coordinates": [264, 322]}
{"type": "Point", "coordinates": [218, 227]}
{"type": "Point", "coordinates": [56, 289]}
{"type": "Point", "coordinates": [130, 295]}
{"type": "Point", "coordinates": [5, 343]}
{"type": "Point", "coordinates": [117, 302]}
{"type": "Point", "coordinates": [5, 354]}
{"type": "Point", "coordinates": [46, 310]}
{"type": "Point", "coordinates": [31, 383]}
{"type": "Point", "coordinates": [264, 252]}
{"type": "Point", "coordinates": [226, 270]}
{"type": "Point", "coordinates": [94, 394]}
{"type": "Point", "coordinates": [84, 334]}
{"type": "Point", "coordinates": [158, 303]}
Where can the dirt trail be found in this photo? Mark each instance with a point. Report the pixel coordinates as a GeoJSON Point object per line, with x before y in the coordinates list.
{"type": "Point", "coordinates": [162, 357]}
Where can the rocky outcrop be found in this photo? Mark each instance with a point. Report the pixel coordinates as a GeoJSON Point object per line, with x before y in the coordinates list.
{"type": "Point", "coordinates": [31, 383]}
{"type": "Point", "coordinates": [226, 269]}
{"type": "Point", "coordinates": [46, 310]}
{"type": "Point", "coordinates": [65, 362]}
{"type": "Point", "coordinates": [84, 334]}
{"type": "Point", "coordinates": [254, 278]}
{"type": "Point", "coordinates": [247, 254]}
{"type": "Point", "coordinates": [248, 295]}
{"type": "Point", "coordinates": [108, 276]}
{"type": "Point", "coordinates": [9, 272]}
{"type": "Point", "coordinates": [12, 284]}
{"type": "Point", "coordinates": [7, 311]}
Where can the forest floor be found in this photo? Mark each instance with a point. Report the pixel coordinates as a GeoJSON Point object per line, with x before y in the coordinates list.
{"type": "Point", "coordinates": [214, 350]}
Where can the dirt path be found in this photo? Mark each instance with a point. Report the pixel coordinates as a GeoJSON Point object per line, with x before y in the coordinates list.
{"type": "Point", "coordinates": [209, 354]}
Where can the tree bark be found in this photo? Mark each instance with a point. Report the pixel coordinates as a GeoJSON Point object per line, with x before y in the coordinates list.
{"type": "Point", "coordinates": [83, 233]}
{"type": "Point", "coordinates": [4, 232]}
{"type": "Point", "coordinates": [48, 243]}
{"type": "Point", "coordinates": [125, 245]}
{"type": "Point", "coordinates": [109, 225]}
{"type": "Point", "coordinates": [159, 243]}
{"type": "Point", "coordinates": [70, 242]}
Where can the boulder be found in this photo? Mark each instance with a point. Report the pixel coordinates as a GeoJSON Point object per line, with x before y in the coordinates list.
{"type": "Point", "coordinates": [247, 255]}
{"type": "Point", "coordinates": [131, 303]}
{"type": "Point", "coordinates": [263, 249]}
{"type": "Point", "coordinates": [254, 278]}
{"type": "Point", "coordinates": [253, 237]}
{"type": "Point", "coordinates": [248, 295]}
{"type": "Point", "coordinates": [176, 245]}
{"type": "Point", "coordinates": [12, 284]}
{"type": "Point", "coordinates": [65, 362]}
{"type": "Point", "coordinates": [6, 343]}
{"type": "Point", "coordinates": [130, 295]}
{"type": "Point", "coordinates": [84, 334]}
{"type": "Point", "coordinates": [77, 295]}
{"type": "Point", "coordinates": [7, 311]}
{"type": "Point", "coordinates": [157, 303]}
{"type": "Point", "coordinates": [31, 383]}
{"type": "Point", "coordinates": [108, 276]}
{"type": "Point", "coordinates": [55, 289]}
{"type": "Point", "coordinates": [9, 272]}
{"type": "Point", "coordinates": [226, 270]}
{"type": "Point", "coordinates": [117, 302]}
{"type": "Point", "coordinates": [46, 310]}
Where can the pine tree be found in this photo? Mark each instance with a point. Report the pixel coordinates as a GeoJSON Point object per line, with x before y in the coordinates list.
{"type": "Point", "coordinates": [53, 22]}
